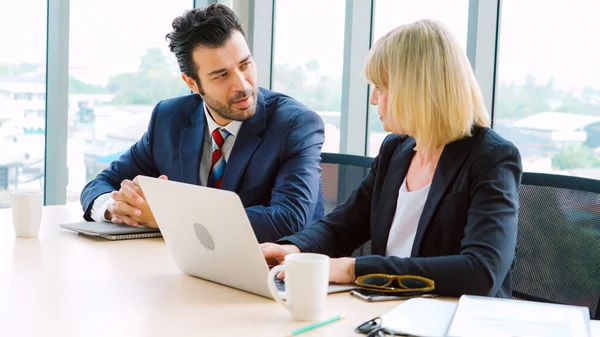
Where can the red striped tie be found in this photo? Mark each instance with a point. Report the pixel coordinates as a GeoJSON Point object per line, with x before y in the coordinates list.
{"type": "Point", "coordinates": [215, 178]}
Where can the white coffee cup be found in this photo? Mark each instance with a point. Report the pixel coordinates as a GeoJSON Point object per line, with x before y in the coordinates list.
{"type": "Point", "coordinates": [306, 282]}
{"type": "Point", "coordinates": [26, 212]}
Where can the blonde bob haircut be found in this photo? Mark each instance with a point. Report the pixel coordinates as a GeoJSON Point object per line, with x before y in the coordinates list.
{"type": "Point", "coordinates": [433, 95]}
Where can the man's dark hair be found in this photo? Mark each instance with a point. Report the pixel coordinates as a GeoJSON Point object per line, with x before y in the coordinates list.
{"type": "Point", "coordinates": [208, 27]}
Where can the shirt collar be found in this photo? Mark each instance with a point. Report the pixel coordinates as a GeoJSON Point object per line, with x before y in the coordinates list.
{"type": "Point", "coordinates": [233, 127]}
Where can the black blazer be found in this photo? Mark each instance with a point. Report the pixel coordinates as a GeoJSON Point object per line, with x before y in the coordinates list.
{"type": "Point", "coordinates": [467, 233]}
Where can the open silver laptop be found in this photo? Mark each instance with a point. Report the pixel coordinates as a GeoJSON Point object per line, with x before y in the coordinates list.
{"type": "Point", "coordinates": [209, 235]}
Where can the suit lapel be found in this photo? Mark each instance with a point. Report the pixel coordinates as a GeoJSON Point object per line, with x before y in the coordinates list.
{"type": "Point", "coordinates": [449, 165]}
{"type": "Point", "coordinates": [248, 139]}
{"type": "Point", "coordinates": [191, 143]}
{"type": "Point", "coordinates": [386, 208]}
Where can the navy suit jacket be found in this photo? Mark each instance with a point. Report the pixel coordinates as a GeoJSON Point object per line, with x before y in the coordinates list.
{"type": "Point", "coordinates": [466, 236]}
{"type": "Point", "coordinates": [274, 165]}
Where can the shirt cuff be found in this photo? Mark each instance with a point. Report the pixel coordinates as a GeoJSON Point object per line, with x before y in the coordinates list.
{"type": "Point", "coordinates": [99, 207]}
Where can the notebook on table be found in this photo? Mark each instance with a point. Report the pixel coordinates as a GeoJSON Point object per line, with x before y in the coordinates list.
{"type": "Point", "coordinates": [483, 316]}
{"type": "Point", "coordinates": [112, 231]}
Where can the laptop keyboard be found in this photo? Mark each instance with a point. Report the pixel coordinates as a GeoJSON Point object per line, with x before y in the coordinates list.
{"type": "Point", "coordinates": [280, 284]}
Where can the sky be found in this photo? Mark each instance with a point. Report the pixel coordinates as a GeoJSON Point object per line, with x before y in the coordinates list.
{"type": "Point", "coordinates": [551, 38]}
{"type": "Point", "coordinates": [298, 38]}
{"type": "Point", "coordinates": [540, 37]}
{"type": "Point", "coordinates": [103, 40]}
{"type": "Point", "coordinates": [545, 38]}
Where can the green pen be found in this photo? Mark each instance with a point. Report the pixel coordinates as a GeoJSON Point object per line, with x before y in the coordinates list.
{"type": "Point", "coordinates": [316, 325]}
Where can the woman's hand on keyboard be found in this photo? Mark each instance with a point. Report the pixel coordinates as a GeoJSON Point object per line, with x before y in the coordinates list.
{"type": "Point", "coordinates": [275, 254]}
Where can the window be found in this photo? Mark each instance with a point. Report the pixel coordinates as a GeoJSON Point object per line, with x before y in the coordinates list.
{"type": "Point", "coordinates": [22, 96]}
{"type": "Point", "coordinates": [308, 58]}
{"type": "Point", "coordinates": [548, 88]}
{"type": "Point", "coordinates": [117, 73]}
{"type": "Point", "coordinates": [389, 14]}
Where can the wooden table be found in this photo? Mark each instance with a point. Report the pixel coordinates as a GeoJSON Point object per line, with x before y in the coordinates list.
{"type": "Point", "coordinates": [65, 284]}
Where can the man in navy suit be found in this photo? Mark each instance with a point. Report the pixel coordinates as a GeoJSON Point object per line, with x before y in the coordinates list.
{"type": "Point", "coordinates": [229, 134]}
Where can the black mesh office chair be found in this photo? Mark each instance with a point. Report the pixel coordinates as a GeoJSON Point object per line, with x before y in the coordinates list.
{"type": "Point", "coordinates": [558, 243]}
{"type": "Point", "coordinates": [341, 174]}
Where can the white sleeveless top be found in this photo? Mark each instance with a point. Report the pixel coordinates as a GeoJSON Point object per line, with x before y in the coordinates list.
{"type": "Point", "coordinates": [409, 208]}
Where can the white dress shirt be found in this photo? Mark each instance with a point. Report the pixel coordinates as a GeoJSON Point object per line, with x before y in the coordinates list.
{"type": "Point", "coordinates": [101, 203]}
{"type": "Point", "coordinates": [206, 162]}
{"type": "Point", "coordinates": [409, 208]}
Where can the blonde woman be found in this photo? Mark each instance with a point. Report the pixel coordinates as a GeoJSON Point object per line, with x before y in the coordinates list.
{"type": "Point", "coordinates": [441, 198]}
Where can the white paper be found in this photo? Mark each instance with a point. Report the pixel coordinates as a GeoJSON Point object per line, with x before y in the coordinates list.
{"type": "Point", "coordinates": [420, 317]}
{"type": "Point", "coordinates": [494, 317]}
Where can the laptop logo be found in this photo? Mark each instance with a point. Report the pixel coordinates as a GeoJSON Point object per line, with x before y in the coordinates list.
{"type": "Point", "coordinates": [204, 236]}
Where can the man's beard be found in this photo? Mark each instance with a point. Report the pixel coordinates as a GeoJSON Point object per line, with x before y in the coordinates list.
{"type": "Point", "coordinates": [227, 111]}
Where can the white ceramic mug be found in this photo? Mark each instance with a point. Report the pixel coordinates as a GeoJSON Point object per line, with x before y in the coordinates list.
{"type": "Point", "coordinates": [26, 212]}
{"type": "Point", "coordinates": [306, 282]}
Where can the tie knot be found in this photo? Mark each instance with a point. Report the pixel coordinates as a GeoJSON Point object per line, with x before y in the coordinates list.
{"type": "Point", "coordinates": [219, 135]}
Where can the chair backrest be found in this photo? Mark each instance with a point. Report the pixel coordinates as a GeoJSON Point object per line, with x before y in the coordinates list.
{"type": "Point", "coordinates": [341, 174]}
{"type": "Point", "coordinates": [558, 242]}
